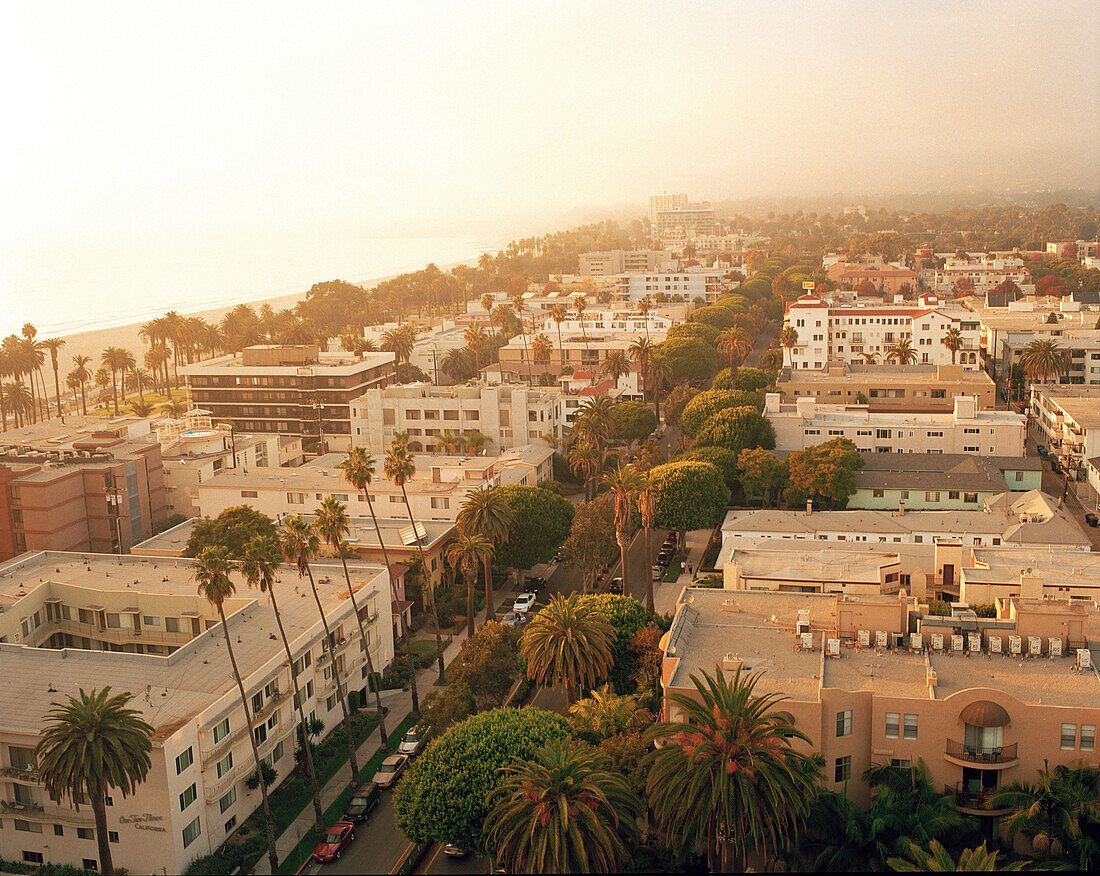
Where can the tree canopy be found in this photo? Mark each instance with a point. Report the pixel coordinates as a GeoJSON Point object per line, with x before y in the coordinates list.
{"type": "Point", "coordinates": [541, 523]}
{"type": "Point", "coordinates": [706, 404]}
{"type": "Point", "coordinates": [231, 531]}
{"type": "Point", "coordinates": [824, 473]}
{"type": "Point", "coordinates": [632, 421]}
{"type": "Point", "coordinates": [737, 429]}
{"type": "Point", "coordinates": [721, 458]}
{"type": "Point", "coordinates": [591, 542]}
{"type": "Point", "coordinates": [689, 495]}
{"type": "Point", "coordinates": [627, 616]}
{"type": "Point", "coordinates": [690, 360]}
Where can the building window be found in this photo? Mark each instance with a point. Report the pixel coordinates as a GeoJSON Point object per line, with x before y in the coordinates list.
{"type": "Point", "coordinates": [85, 833]}
{"type": "Point", "coordinates": [932, 496]}
{"type": "Point", "coordinates": [1088, 737]}
{"type": "Point", "coordinates": [228, 800]}
{"type": "Point", "coordinates": [58, 830]}
{"type": "Point", "coordinates": [910, 726]}
{"type": "Point", "coordinates": [893, 724]}
{"type": "Point", "coordinates": [900, 763]}
{"type": "Point", "coordinates": [184, 760]}
{"type": "Point", "coordinates": [112, 836]}
{"type": "Point", "coordinates": [187, 797]}
{"type": "Point", "coordinates": [232, 823]}
{"type": "Point", "coordinates": [191, 832]}
{"type": "Point", "coordinates": [249, 494]}
{"type": "Point", "coordinates": [844, 723]}
{"type": "Point", "coordinates": [91, 864]}
{"type": "Point", "coordinates": [36, 858]}
{"type": "Point", "coordinates": [878, 494]}
{"type": "Point", "coordinates": [225, 765]}
{"type": "Point", "coordinates": [953, 494]}
{"type": "Point", "coordinates": [843, 769]}
{"type": "Point", "coordinates": [1069, 737]}
{"type": "Point", "coordinates": [970, 497]}
{"type": "Point", "coordinates": [31, 826]}
{"type": "Point", "coordinates": [221, 730]}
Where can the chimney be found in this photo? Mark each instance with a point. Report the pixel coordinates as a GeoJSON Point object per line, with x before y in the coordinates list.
{"type": "Point", "coordinates": [809, 506]}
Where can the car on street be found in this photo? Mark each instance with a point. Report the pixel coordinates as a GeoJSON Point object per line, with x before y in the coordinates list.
{"type": "Point", "coordinates": [413, 743]}
{"type": "Point", "coordinates": [513, 619]}
{"type": "Point", "coordinates": [362, 802]}
{"type": "Point", "coordinates": [665, 557]}
{"type": "Point", "coordinates": [1092, 519]}
{"type": "Point", "coordinates": [390, 770]}
{"type": "Point", "coordinates": [615, 586]}
{"type": "Point", "coordinates": [453, 851]}
{"type": "Point", "coordinates": [658, 573]}
{"type": "Point", "coordinates": [332, 844]}
{"type": "Point", "coordinates": [523, 603]}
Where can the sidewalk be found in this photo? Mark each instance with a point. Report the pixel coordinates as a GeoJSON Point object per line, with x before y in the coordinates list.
{"type": "Point", "coordinates": [399, 704]}
{"type": "Point", "coordinates": [664, 598]}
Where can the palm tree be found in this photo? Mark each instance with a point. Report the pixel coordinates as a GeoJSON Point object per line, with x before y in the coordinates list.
{"type": "Point", "coordinates": [399, 341]}
{"type": "Point", "coordinates": [212, 569]}
{"type": "Point", "coordinates": [645, 305]}
{"type": "Point", "coordinates": [54, 345]}
{"type": "Point", "coordinates": [581, 305]}
{"type": "Point", "coordinates": [660, 371]}
{"type": "Point", "coordinates": [641, 352]}
{"type": "Point", "coordinates": [594, 422]}
{"type": "Point", "coordinates": [139, 378]}
{"type": "Point", "coordinates": [18, 400]}
{"type": "Point", "coordinates": [728, 782]}
{"type": "Point", "coordinates": [399, 467]}
{"type": "Point", "coordinates": [735, 344]}
{"type": "Point", "coordinates": [623, 484]}
{"type": "Point", "coordinates": [117, 360]}
{"type": "Point", "coordinates": [569, 643]}
{"type": "Point", "coordinates": [156, 359]}
{"type": "Point", "coordinates": [83, 375]}
{"type": "Point", "coordinates": [141, 408]}
{"type": "Point", "coordinates": [584, 462]}
{"type": "Point", "coordinates": [488, 514]}
{"type": "Point", "coordinates": [1042, 360]}
{"type": "Point", "coordinates": [902, 352]}
{"type": "Point", "coordinates": [175, 407]}
{"type": "Point", "coordinates": [358, 469]}
{"type": "Point", "coordinates": [518, 306]}
{"type": "Point", "coordinates": [300, 544]}
{"type": "Point", "coordinates": [334, 527]}
{"type": "Point", "coordinates": [564, 811]}
{"type": "Point", "coordinates": [92, 746]}
{"type": "Point", "coordinates": [870, 357]}
{"type": "Point", "coordinates": [475, 338]}
{"type": "Point", "coordinates": [616, 365]}
{"type": "Point", "coordinates": [788, 340]}
{"type": "Point", "coordinates": [953, 340]}
{"type": "Point", "coordinates": [259, 566]}
{"type": "Point", "coordinates": [74, 385]}
{"type": "Point", "coordinates": [541, 349]}
{"type": "Point", "coordinates": [559, 315]}
{"type": "Point", "coordinates": [32, 357]}
{"type": "Point", "coordinates": [936, 859]}
{"type": "Point", "coordinates": [606, 713]}
{"type": "Point", "coordinates": [467, 551]}
{"type": "Point", "coordinates": [645, 490]}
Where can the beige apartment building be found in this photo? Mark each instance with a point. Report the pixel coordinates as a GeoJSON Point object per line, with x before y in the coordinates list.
{"type": "Point", "coordinates": [1068, 418]}
{"type": "Point", "coordinates": [916, 388]}
{"type": "Point", "coordinates": [877, 680]}
{"type": "Point", "coordinates": [72, 621]}
{"type": "Point", "coordinates": [617, 261]}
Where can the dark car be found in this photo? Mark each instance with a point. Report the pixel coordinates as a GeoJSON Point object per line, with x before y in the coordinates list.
{"type": "Point", "coordinates": [332, 844]}
{"type": "Point", "coordinates": [615, 586]}
{"type": "Point", "coordinates": [362, 802]}
{"type": "Point", "coordinates": [1092, 519]}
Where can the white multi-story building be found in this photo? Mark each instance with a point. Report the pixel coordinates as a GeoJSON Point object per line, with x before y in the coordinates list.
{"type": "Point", "coordinates": [618, 261]}
{"type": "Point", "coordinates": [666, 201]}
{"type": "Point", "coordinates": [631, 322]}
{"type": "Point", "coordinates": [703, 283]}
{"type": "Point", "coordinates": [75, 621]}
{"type": "Point", "coordinates": [963, 430]}
{"type": "Point", "coordinates": [506, 415]}
{"type": "Point", "coordinates": [984, 273]}
{"type": "Point", "coordinates": [842, 333]}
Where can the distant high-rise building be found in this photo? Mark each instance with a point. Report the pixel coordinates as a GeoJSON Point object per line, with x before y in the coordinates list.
{"type": "Point", "coordinates": [657, 203]}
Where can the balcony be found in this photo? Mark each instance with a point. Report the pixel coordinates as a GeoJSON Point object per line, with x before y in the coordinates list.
{"type": "Point", "coordinates": [998, 758]}
{"type": "Point", "coordinates": [50, 814]}
{"type": "Point", "coordinates": [27, 776]}
{"type": "Point", "coordinates": [974, 802]}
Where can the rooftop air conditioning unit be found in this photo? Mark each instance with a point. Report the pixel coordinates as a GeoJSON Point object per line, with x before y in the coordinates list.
{"type": "Point", "coordinates": [1084, 659]}
{"type": "Point", "coordinates": [956, 643]}
{"type": "Point", "coordinates": [833, 647]}
{"type": "Point", "coordinates": [880, 638]}
{"type": "Point", "coordinates": [916, 643]}
{"type": "Point", "coordinates": [1014, 646]}
{"type": "Point", "coordinates": [864, 638]}
{"type": "Point", "coordinates": [806, 641]}
{"type": "Point", "coordinates": [994, 644]}
{"type": "Point", "coordinates": [1055, 646]}
{"type": "Point", "coordinates": [1034, 646]}
{"type": "Point", "coordinates": [937, 641]}
{"type": "Point", "coordinates": [974, 642]}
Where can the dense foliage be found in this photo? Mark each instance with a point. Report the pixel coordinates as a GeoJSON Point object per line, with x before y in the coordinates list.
{"type": "Point", "coordinates": [541, 523]}
{"type": "Point", "coordinates": [706, 404]}
{"type": "Point", "coordinates": [231, 531]}
{"type": "Point", "coordinates": [689, 495]}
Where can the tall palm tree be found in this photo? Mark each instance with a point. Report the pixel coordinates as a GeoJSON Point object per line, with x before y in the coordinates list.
{"type": "Point", "coordinates": [399, 467]}
{"type": "Point", "coordinates": [399, 341]}
{"type": "Point", "coordinates": [117, 360]}
{"type": "Point", "coordinates": [902, 352]}
{"type": "Point", "coordinates": [559, 314]}
{"type": "Point", "coordinates": [518, 306]}
{"type": "Point", "coordinates": [569, 643]}
{"type": "Point", "coordinates": [54, 345]}
{"type": "Point", "coordinates": [467, 551]}
{"type": "Point", "coordinates": [594, 422]}
{"type": "Point", "coordinates": [33, 356]}
{"type": "Point", "coordinates": [81, 363]}
{"type": "Point", "coordinates": [953, 340]}
{"type": "Point", "coordinates": [259, 566]}
{"type": "Point", "coordinates": [333, 526]}
{"type": "Point", "coordinates": [90, 747]}
{"type": "Point", "coordinates": [74, 384]}
{"type": "Point", "coordinates": [660, 371]}
{"type": "Point", "coordinates": [212, 569]}
{"type": "Point", "coordinates": [19, 401]}
{"type": "Point", "coordinates": [488, 514]}
{"type": "Point", "coordinates": [645, 305]}
{"type": "Point", "coordinates": [1042, 360]}
{"type": "Point", "coordinates": [641, 352]}
{"type": "Point", "coordinates": [581, 305]}
{"type": "Point", "coordinates": [645, 488]}
{"type": "Point", "coordinates": [623, 485]}
{"type": "Point", "coordinates": [156, 359]}
{"type": "Point", "coordinates": [139, 378]}
{"type": "Point", "coordinates": [475, 339]}
{"type": "Point", "coordinates": [734, 343]}
{"type": "Point", "coordinates": [358, 469]}
{"type": "Point", "coordinates": [616, 365]}
{"type": "Point", "coordinates": [728, 782]}
{"type": "Point", "coordinates": [300, 544]}
{"type": "Point", "coordinates": [564, 811]}
{"type": "Point", "coordinates": [584, 462]}
{"type": "Point", "coordinates": [788, 340]}
{"type": "Point", "coordinates": [541, 350]}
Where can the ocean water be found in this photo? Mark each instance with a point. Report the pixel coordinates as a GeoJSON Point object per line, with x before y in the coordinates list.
{"type": "Point", "coordinates": [75, 287]}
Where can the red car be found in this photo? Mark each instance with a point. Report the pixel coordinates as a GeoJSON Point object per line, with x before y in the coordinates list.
{"type": "Point", "coordinates": [336, 839]}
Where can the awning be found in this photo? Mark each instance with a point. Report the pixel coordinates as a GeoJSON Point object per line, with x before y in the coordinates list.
{"type": "Point", "coordinates": [984, 714]}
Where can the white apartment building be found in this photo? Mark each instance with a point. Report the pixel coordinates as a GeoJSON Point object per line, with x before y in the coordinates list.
{"type": "Point", "coordinates": [435, 492]}
{"type": "Point", "coordinates": [986, 273]}
{"type": "Point", "coordinates": [1086, 249]}
{"type": "Point", "coordinates": [617, 261]}
{"type": "Point", "coordinates": [666, 201]}
{"type": "Point", "coordinates": [85, 621]}
{"type": "Point", "coordinates": [842, 333]}
{"type": "Point", "coordinates": [1069, 418]}
{"type": "Point", "coordinates": [507, 415]}
{"type": "Point", "coordinates": [964, 430]}
{"type": "Point", "coordinates": [687, 285]}
{"type": "Point", "coordinates": [187, 464]}
{"type": "Point", "coordinates": [653, 325]}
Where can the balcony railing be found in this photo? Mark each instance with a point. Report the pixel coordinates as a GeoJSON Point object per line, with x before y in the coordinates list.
{"type": "Point", "coordinates": [47, 814]}
{"type": "Point", "coordinates": [28, 774]}
{"type": "Point", "coordinates": [981, 754]}
{"type": "Point", "coordinates": [974, 800]}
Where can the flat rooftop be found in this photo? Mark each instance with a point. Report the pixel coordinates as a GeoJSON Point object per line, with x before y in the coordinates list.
{"type": "Point", "coordinates": [857, 415]}
{"type": "Point", "coordinates": [332, 364]}
{"type": "Point", "coordinates": [1081, 403]}
{"type": "Point", "coordinates": [887, 375]}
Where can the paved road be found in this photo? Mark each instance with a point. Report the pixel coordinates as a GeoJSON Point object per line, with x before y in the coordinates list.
{"type": "Point", "coordinates": [1054, 484]}
{"type": "Point", "coordinates": [378, 844]}
{"type": "Point", "coordinates": [564, 581]}
{"type": "Point", "coordinates": [437, 862]}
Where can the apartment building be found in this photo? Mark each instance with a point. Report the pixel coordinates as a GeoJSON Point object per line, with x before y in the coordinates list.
{"type": "Point", "coordinates": [506, 415]}
{"type": "Point", "coordinates": [632, 322]}
{"type": "Point", "coordinates": [435, 492]}
{"type": "Point", "coordinates": [887, 279]}
{"type": "Point", "coordinates": [831, 332]}
{"type": "Point", "coordinates": [984, 273]}
{"type": "Point", "coordinates": [617, 261]}
{"type": "Point", "coordinates": [89, 484]}
{"type": "Point", "coordinates": [290, 390]}
{"type": "Point", "coordinates": [1015, 519]}
{"type": "Point", "coordinates": [1078, 249]}
{"type": "Point", "coordinates": [916, 388]}
{"type": "Point", "coordinates": [579, 351]}
{"type": "Point", "coordinates": [940, 481]}
{"type": "Point", "coordinates": [878, 680]}
{"type": "Point", "coordinates": [705, 284]}
{"type": "Point", "coordinates": [665, 201]}
{"type": "Point", "coordinates": [1069, 419]}
{"type": "Point", "coordinates": [964, 430]}
{"type": "Point", "coordinates": [690, 220]}
{"type": "Point", "coordinates": [86, 621]}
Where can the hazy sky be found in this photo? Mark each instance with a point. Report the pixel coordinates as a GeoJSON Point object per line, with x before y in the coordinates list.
{"type": "Point", "coordinates": [125, 119]}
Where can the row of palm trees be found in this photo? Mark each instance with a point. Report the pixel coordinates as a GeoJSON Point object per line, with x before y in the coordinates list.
{"type": "Point", "coordinates": [900, 352]}
{"type": "Point", "coordinates": [22, 357]}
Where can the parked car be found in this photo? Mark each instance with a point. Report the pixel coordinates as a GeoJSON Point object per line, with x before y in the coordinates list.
{"type": "Point", "coordinates": [363, 800]}
{"type": "Point", "coordinates": [665, 557]}
{"type": "Point", "coordinates": [512, 619]}
{"type": "Point", "coordinates": [535, 585]}
{"type": "Point", "coordinates": [390, 770]}
{"type": "Point", "coordinates": [453, 851]}
{"type": "Point", "coordinates": [615, 586]}
{"type": "Point", "coordinates": [673, 536]}
{"type": "Point", "coordinates": [523, 603]}
{"type": "Point", "coordinates": [658, 573]}
{"type": "Point", "coordinates": [413, 743]}
{"type": "Point", "coordinates": [332, 844]}
{"type": "Point", "coordinates": [1092, 519]}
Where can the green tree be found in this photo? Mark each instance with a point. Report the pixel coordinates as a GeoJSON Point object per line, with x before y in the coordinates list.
{"type": "Point", "coordinates": [705, 405]}
{"type": "Point", "coordinates": [467, 552]}
{"type": "Point", "coordinates": [563, 811]}
{"type": "Point", "coordinates": [737, 429]}
{"type": "Point", "coordinates": [691, 360]}
{"type": "Point", "coordinates": [569, 642]}
{"type": "Point", "coordinates": [677, 400]}
{"type": "Point", "coordinates": [953, 340]}
{"type": "Point", "coordinates": [689, 495]}
{"type": "Point", "coordinates": [591, 543]}
{"type": "Point", "coordinates": [902, 352]}
{"type": "Point", "coordinates": [92, 746]}
{"type": "Point", "coordinates": [604, 713]}
{"type": "Point", "coordinates": [541, 522]}
{"type": "Point", "coordinates": [1043, 359]}
{"type": "Point", "coordinates": [751, 379]}
{"type": "Point", "coordinates": [724, 460]}
{"type": "Point", "coordinates": [632, 421]}
{"type": "Point", "coordinates": [488, 664]}
{"type": "Point", "coordinates": [444, 796]}
{"type": "Point", "coordinates": [729, 783]}
{"type": "Point", "coordinates": [936, 859]}
{"type": "Point", "coordinates": [695, 329]}
{"type": "Point", "coordinates": [231, 531]}
{"type": "Point", "coordinates": [824, 473]}
{"type": "Point", "coordinates": [645, 497]}
{"type": "Point", "coordinates": [212, 568]}
{"type": "Point", "coordinates": [761, 474]}
{"type": "Point", "coordinates": [626, 616]}
{"type": "Point", "coordinates": [488, 514]}
{"type": "Point", "coordinates": [622, 484]}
